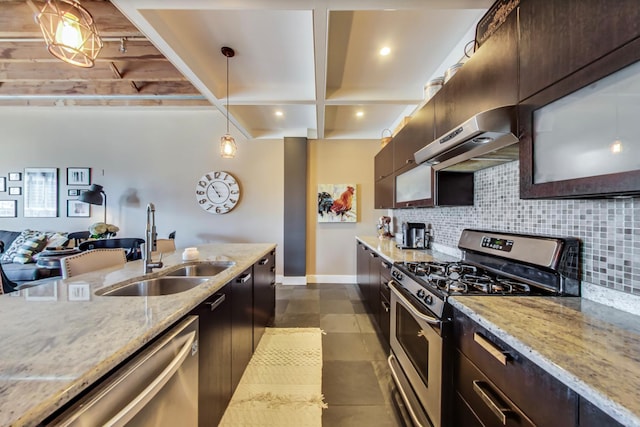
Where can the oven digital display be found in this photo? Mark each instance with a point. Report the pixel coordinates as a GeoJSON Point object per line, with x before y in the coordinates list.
{"type": "Point", "coordinates": [504, 245]}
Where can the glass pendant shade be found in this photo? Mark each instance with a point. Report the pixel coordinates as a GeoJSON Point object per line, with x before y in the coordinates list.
{"type": "Point", "coordinates": [70, 32]}
{"type": "Point", "coordinates": [228, 146]}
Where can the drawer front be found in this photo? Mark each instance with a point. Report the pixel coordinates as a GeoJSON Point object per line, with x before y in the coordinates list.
{"type": "Point", "coordinates": [385, 277]}
{"type": "Point", "coordinates": [489, 404]}
{"type": "Point", "coordinates": [544, 399]}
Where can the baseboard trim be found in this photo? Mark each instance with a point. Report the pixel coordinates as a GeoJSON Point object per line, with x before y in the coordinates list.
{"type": "Point", "coordinates": [291, 280]}
{"type": "Point", "coordinates": [327, 278]}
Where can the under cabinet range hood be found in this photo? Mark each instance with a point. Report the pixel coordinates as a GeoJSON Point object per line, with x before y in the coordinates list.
{"type": "Point", "coordinates": [486, 139]}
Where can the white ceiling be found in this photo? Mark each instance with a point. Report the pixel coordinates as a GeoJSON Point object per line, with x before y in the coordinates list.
{"type": "Point", "coordinates": [316, 61]}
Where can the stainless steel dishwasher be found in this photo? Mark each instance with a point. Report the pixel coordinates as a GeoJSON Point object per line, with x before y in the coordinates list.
{"type": "Point", "coordinates": [158, 387]}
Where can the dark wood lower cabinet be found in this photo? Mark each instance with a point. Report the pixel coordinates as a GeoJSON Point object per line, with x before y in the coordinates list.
{"type": "Point", "coordinates": [214, 383]}
{"type": "Point", "coordinates": [264, 295]}
{"type": "Point", "coordinates": [242, 324]}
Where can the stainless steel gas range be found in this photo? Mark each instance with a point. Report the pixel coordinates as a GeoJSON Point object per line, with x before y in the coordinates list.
{"type": "Point", "coordinates": [492, 263]}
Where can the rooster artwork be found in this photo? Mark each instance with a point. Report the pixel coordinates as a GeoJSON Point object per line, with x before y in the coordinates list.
{"type": "Point", "coordinates": [337, 203]}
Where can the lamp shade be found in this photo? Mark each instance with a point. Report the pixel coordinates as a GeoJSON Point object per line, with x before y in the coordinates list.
{"type": "Point", "coordinates": [70, 32]}
{"type": "Point", "coordinates": [93, 195]}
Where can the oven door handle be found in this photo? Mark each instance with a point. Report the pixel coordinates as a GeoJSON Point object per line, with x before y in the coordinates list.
{"type": "Point", "coordinates": [407, 304]}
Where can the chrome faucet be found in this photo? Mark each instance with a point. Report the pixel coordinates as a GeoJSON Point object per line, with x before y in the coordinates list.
{"type": "Point", "coordinates": [150, 240]}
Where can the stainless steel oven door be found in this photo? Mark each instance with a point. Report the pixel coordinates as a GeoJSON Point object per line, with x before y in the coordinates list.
{"type": "Point", "coordinates": [416, 348]}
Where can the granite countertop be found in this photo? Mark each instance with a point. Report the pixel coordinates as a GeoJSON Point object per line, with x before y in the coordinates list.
{"type": "Point", "coordinates": [386, 248]}
{"type": "Point", "coordinates": [592, 348]}
{"type": "Point", "coordinates": [59, 337]}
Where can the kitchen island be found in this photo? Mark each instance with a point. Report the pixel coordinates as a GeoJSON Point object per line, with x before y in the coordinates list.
{"type": "Point", "coordinates": [60, 337]}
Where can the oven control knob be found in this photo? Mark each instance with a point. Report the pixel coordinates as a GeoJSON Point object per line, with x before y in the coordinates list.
{"type": "Point", "coordinates": [421, 293]}
{"type": "Point", "coordinates": [428, 299]}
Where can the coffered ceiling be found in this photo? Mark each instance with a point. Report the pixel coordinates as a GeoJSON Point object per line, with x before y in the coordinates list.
{"type": "Point", "coordinates": [316, 62]}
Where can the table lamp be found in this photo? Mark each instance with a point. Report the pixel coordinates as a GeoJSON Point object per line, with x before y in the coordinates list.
{"type": "Point", "coordinates": [95, 195]}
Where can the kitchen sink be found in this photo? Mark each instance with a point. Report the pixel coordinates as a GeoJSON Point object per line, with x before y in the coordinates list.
{"type": "Point", "coordinates": [153, 287]}
{"type": "Point", "coordinates": [201, 269]}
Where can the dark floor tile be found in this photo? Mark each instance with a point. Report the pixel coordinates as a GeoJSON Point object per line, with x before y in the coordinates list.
{"type": "Point", "coordinates": [366, 323]}
{"type": "Point", "coordinates": [297, 320]}
{"type": "Point", "coordinates": [336, 306]}
{"type": "Point", "coordinates": [281, 305]}
{"type": "Point", "coordinates": [375, 346]}
{"type": "Point", "coordinates": [358, 307]}
{"type": "Point", "coordinates": [350, 383]}
{"type": "Point", "coordinates": [302, 306]}
{"type": "Point", "coordinates": [344, 346]}
{"type": "Point", "coordinates": [339, 323]}
{"type": "Point", "coordinates": [334, 293]}
{"type": "Point", "coordinates": [358, 416]}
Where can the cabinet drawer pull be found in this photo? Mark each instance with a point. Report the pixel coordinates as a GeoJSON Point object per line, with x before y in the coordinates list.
{"type": "Point", "coordinates": [497, 408]}
{"type": "Point", "coordinates": [385, 306]}
{"type": "Point", "coordinates": [215, 304]}
{"type": "Point", "coordinates": [263, 261]}
{"type": "Point", "coordinates": [499, 354]}
{"type": "Point", "coordinates": [386, 266]}
{"type": "Point", "coordinates": [273, 269]}
{"type": "Point", "coordinates": [408, 161]}
{"type": "Point", "coordinates": [243, 278]}
{"type": "Point", "coordinates": [373, 255]}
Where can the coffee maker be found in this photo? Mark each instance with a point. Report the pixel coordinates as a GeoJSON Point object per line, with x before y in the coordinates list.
{"type": "Point", "coordinates": [413, 235]}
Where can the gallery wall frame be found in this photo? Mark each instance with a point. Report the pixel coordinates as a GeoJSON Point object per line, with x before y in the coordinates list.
{"type": "Point", "coordinates": [3, 184]}
{"type": "Point", "coordinates": [15, 191]}
{"type": "Point", "coordinates": [78, 209]}
{"type": "Point", "coordinates": [15, 176]}
{"type": "Point", "coordinates": [78, 176]}
{"type": "Point", "coordinates": [8, 208]}
{"type": "Point", "coordinates": [40, 192]}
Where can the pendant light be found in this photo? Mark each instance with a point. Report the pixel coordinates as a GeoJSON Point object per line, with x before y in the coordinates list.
{"type": "Point", "coordinates": [70, 32]}
{"type": "Point", "coordinates": [228, 146]}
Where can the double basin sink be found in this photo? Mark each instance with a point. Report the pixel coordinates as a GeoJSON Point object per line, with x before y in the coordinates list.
{"type": "Point", "coordinates": [173, 282]}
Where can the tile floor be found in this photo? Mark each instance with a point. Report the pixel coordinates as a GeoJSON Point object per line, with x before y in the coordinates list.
{"type": "Point", "coordinates": [355, 379]}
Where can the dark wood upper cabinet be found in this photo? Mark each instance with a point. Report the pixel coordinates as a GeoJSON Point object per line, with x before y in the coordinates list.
{"type": "Point", "coordinates": [383, 162]}
{"type": "Point", "coordinates": [559, 37]}
{"type": "Point", "coordinates": [586, 164]}
{"type": "Point", "coordinates": [489, 79]}
{"type": "Point", "coordinates": [416, 134]}
{"type": "Point", "coordinates": [384, 193]}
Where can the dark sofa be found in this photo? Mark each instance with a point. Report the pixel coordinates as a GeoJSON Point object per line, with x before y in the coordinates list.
{"type": "Point", "coordinates": [20, 273]}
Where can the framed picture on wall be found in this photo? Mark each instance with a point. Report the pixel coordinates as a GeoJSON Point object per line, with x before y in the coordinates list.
{"type": "Point", "coordinates": [76, 208]}
{"type": "Point", "coordinates": [78, 176]}
{"type": "Point", "coordinates": [337, 203]}
{"type": "Point", "coordinates": [15, 191]}
{"type": "Point", "coordinates": [40, 192]}
{"type": "Point", "coordinates": [8, 208]}
{"type": "Point", "coordinates": [3, 184]}
{"type": "Point", "coordinates": [73, 192]}
{"type": "Point", "coordinates": [15, 176]}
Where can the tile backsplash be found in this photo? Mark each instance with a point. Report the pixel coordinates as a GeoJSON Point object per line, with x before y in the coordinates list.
{"type": "Point", "coordinates": [609, 229]}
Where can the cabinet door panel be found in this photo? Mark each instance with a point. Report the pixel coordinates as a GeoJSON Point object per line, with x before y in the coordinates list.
{"type": "Point", "coordinates": [264, 295]}
{"type": "Point", "coordinates": [383, 162]}
{"type": "Point", "coordinates": [415, 135]}
{"type": "Point", "coordinates": [489, 79]}
{"type": "Point", "coordinates": [384, 193]}
{"type": "Point", "coordinates": [242, 324]}
{"type": "Point", "coordinates": [214, 383]}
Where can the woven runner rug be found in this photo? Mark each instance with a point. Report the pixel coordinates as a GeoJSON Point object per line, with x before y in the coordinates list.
{"type": "Point", "coordinates": [282, 385]}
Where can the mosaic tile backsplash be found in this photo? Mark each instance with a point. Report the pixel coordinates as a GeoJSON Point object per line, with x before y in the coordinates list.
{"type": "Point", "coordinates": [609, 229]}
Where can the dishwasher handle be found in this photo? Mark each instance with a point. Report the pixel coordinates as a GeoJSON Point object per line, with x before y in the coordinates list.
{"type": "Point", "coordinates": [136, 405]}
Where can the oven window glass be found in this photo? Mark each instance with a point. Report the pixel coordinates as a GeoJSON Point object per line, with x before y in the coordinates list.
{"type": "Point", "coordinates": [415, 345]}
{"type": "Point", "coordinates": [593, 131]}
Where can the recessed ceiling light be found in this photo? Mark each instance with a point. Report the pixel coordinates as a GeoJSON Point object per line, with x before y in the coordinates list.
{"type": "Point", "coordinates": [279, 113]}
{"type": "Point", "coordinates": [360, 113]}
{"type": "Point", "coordinates": [385, 51]}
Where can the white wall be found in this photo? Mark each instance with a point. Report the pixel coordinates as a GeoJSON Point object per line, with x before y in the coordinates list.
{"type": "Point", "coordinates": [158, 154]}
{"type": "Point", "coordinates": [152, 155]}
{"type": "Point", "coordinates": [331, 246]}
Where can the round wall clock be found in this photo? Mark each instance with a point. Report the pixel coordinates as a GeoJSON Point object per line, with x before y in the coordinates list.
{"type": "Point", "coordinates": [217, 192]}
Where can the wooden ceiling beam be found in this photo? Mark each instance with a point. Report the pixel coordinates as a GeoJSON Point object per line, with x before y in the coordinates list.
{"type": "Point", "coordinates": [96, 88]}
{"type": "Point", "coordinates": [129, 70]}
{"type": "Point", "coordinates": [36, 51]}
{"type": "Point", "coordinates": [106, 103]}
